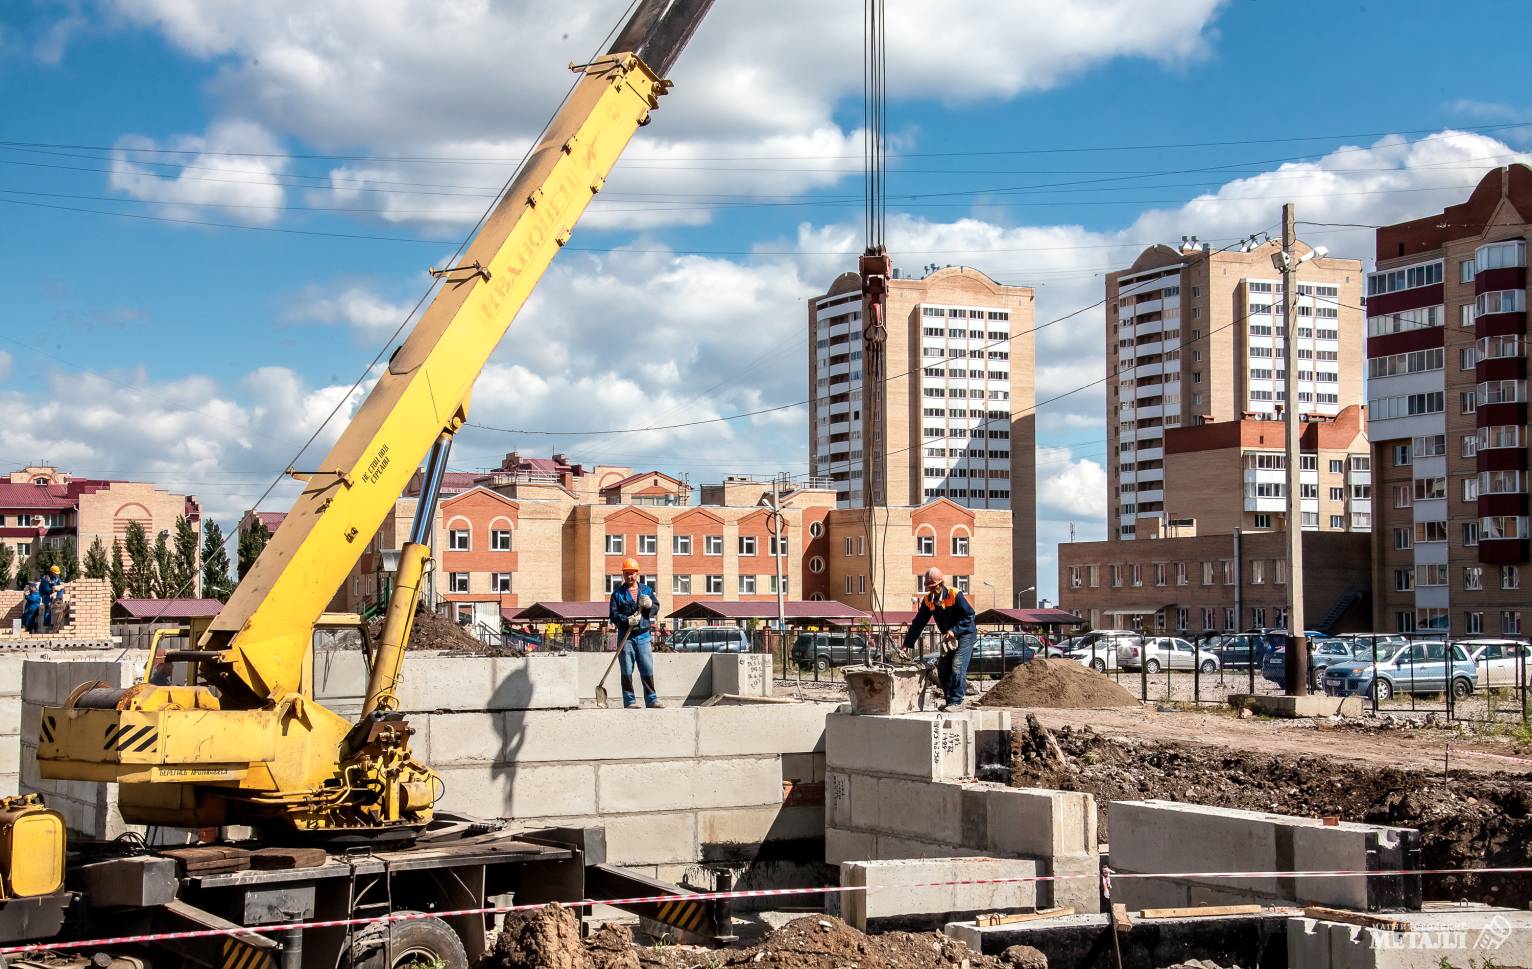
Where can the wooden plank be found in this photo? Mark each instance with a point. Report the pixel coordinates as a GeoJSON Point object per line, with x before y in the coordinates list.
{"type": "Point", "coordinates": [1045, 913]}
{"type": "Point", "coordinates": [287, 859]}
{"type": "Point", "coordinates": [1384, 922]}
{"type": "Point", "coordinates": [1120, 920]}
{"type": "Point", "coordinates": [1199, 911]}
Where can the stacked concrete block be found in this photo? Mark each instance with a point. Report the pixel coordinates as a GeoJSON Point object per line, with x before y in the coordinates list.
{"type": "Point", "coordinates": [1165, 836]}
{"type": "Point", "coordinates": [902, 787]}
{"type": "Point", "coordinates": [917, 894]}
{"type": "Point", "coordinates": [10, 722]}
{"type": "Point", "coordinates": [1458, 937]}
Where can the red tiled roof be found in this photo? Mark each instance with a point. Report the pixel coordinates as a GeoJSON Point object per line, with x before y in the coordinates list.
{"type": "Point", "coordinates": [767, 609]}
{"type": "Point", "coordinates": [560, 611]}
{"type": "Point", "coordinates": [271, 519]}
{"type": "Point", "coordinates": [1029, 617]}
{"type": "Point", "coordinates": [35, 496]}
{"type": "Point", "coordinates": [169, 609]}
{"type": "Point", "coordinates": [636, 477]}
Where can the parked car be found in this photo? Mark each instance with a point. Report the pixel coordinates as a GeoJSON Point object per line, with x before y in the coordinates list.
{"type": "Point", "coordinates": [1098, 650]}
{"type": "Point", "coordinates": [823, 650]}
{"type": "Point", "coordinates": [711, 639]}
{"type": "Point", "coordinates": [999, 653]}
{"type": "Point", "coordinates": [1240, 651]}
{"type": "Point", "coordinates": [1502, 663]}
{"type": "Point", "coordinates": [1154, 653]}
{"type": "Point", "coordinates": [1322, 653]}
{"type": "Point", "coordinates": [1419, 667]}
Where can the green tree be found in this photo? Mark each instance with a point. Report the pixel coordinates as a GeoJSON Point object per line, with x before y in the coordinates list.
{"type": "Point", "coordinates": [185, 558]}
{"type": "Point", "coordinates": [118, 574]}
{"type": "Point", "coordinates": [43, 559]}
{"type": "Point", "coordinates": [97, 565]}
{"type": "Point", "coordinates": [7, 562]}
{"type": "Point", "coordinates": [216, 582]}
{"type": "Point", "coordinates": [167, 576]}
{"type": "Point", "coordinates": [251, 541]}
{"type": "Point", "coordinates": [68, 560]}
{"type": "Point", "coordinates": [25, 572]}
{"type": "Point", "coordinates": [140, 573]}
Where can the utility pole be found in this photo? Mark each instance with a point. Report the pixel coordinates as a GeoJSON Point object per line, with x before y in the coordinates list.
{"type": "Point", "coordinates": [779, 532]}
{"type": "Point", "coordinates": [1296, 670]}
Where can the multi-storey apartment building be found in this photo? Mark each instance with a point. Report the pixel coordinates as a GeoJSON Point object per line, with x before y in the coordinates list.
{"type": "Point", "coordinates": [43, 505]}
{"type": "Point", "coordinates": [1447, 325]}
{"type": "Point", "coordinates": [531, 532]}
{"type": "Point", "coordinates": [1195, 337]}
{"type": "Point", "coordinates": [958, 421]}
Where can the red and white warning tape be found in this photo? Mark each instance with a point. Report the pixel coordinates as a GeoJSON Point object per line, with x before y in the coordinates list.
{"type": "Point", "coordinates": [1465, 752]}
{"type": "Point", "coordinates": [1107, 877]}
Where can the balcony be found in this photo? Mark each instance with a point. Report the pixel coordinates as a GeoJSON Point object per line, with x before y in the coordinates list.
{"type": "Point", "coordinates": [1278, 505]}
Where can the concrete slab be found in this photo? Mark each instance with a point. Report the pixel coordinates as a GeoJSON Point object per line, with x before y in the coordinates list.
{"type": "Point", "coordinates": [741, 674]}
{"type": "Point", "coordinates": [526, 790]}
{"type": "Point", "coordinates": [842, 845]}
{"type": "Point", "coordinates": [1085, 941]}
{"type": "Point", "coordinates": [1295, 707]}
{"type": "Point", "coordinates": [772, 728]}
{"type": "Point", "coordinates": [776, 831]}
{"type": "Point", "coordinates": [679, 677]}
{"type": "Point", "coordinates": [632, 786]}
{"type": "Point", "coordinates": [881, 690]}
{"type": "Point", "coordinates": [1461, 937]}
{"type": "Point", "coordinates": [930, 746]}
{"type": "Point", "coordinates": [900, 895]}
{"type": "Point", "coordinates": [651, 839]}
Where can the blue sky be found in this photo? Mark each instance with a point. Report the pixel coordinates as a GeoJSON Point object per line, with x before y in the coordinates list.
{"type": "Point", "coordinates": [202, 357]}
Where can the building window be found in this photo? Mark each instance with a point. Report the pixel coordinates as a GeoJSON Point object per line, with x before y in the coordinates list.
{"type": "Point", "coordinates": [614, 545]}
{"type": "Point", "coordinates": [1468, 402]}
{"type": "Point", "coordinates": [1161, 574]}
{"type": "Point", "coordinates": [1337, 521]}
{"type": "Point", "coordinates": [1116, 576]}
{"type": "Point", "coordinates": [1430, 532]}
{"type": "Point", "coordinates": [1262, 520]}
{"type": "Point", "coordinates": [1093, 573]}
{"type": "Point", "coordinates": [1076, 577]}
{"type": "Point", "coordinates": [457, 581]}
{"type": "Point", "coordinates": [713, 545]}
{"type": "Point", "coordinates": [961, 583]}
{"type": "Point", "coordinates": [1337, 466]}
{"type": "Point", "coordinates": [1228, 571]}
{"type": "Point", "coordinates": [816, 565]}
{"type": "Point", "coordinates": [648, 544]}
{"type": "Point", "coordinates": [747, 585]}
{"type": "Point", "coordinates": [500, 582]}
{"type": "Point", "coordinates": [1470, 534]}
{"type": "Point", "coordinates": [457, 540]}
{"type": "Point", "coordinates": [1473, 622]}
{"type": "Point", "coordinates": [715, 585]}
{"type": "Point", "coordinates": [1404, 580]}
{"type": "Point", "coordinates": [1337, 494]}
{"type": "Point", "coordinates": [1401, 454]}
{"type": "Point", "coordinates": [500, 540]}
{"type": "Point", "coordinates": [1258, 617]}
{"type": "Point", "coordinates": [960, 546]}
{"type": "Point", "coordinates": [681, 585]}
{"type": "Point", "coordinates": [1427, 576]}
{"type": "Point", "coordinates": [1510, 577]}
{"type": "Point", "coordinates": [1402, 538]}
{"type": "Point", "coordinates": [680, 545]}
{"type": "Point", "coordinates": [925, 545]}
{"type": "Point", "coordinates": [1138, 574]}
{"type": "Point", "coordinates": [1257, 573]}
{"type": "Point", "coordinates": [1181, 578]}
{"type": "Point", "coordinates": [1510, 622]}
{"type": "Point", "coordinates": [1470, 488]}
{"type": "Point", "coordinates": [1208, 617]}
{"type": "Point", "coordinates": [1403, 496]}
{"type": "Point", "coordinates": [776, 546]}
{"type": "Point", "coordinates": [1473, 578]}
{"type": "Point", "coordinates": [1207, 573]}
{"type": "Point", "coordinates": [1230, 620]}
{"type": "Point", "coordinates": [747, 545]}
{"type": "Point", "coordinates": [816, 529]}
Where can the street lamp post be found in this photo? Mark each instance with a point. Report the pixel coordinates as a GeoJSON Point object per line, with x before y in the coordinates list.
{"type": "Point", "coordinates": [1030, 588]}
{"type": "Point", "coordinates": [992, 593]}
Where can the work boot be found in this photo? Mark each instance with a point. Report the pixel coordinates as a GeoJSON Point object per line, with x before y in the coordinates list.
{"type": "Point", "coordinates": [656, 705]}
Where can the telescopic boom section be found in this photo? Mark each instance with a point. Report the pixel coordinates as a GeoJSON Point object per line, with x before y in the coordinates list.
{"type": "Point", "coordinates": [266, 624]}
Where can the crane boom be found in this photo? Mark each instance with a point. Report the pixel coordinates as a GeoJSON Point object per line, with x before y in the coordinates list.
{"type": "Point", "coordinates": [248, 743]}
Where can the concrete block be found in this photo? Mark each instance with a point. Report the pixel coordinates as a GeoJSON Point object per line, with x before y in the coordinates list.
{"type": "Point", "coordinates": [678, 677]}
{"type": "Point", "coordinates": [10, 784]}
{"type": "Point", "coordinates": [932, 746]}
{"type": "Point", "coordinates": [631, 786]}
{"type": "Point", "coordinates": [769, 728]}
{"type": "Point", "coordinates": [10, 673]}
{"type": "Point", "coordinates": [1033, 822]}
{"type": "Point", "coordinates": [930, 812]}
{"type": "Point", "coordinates": [803, 767]}
{"type": "Point", "coordinates": [741, 674]}
{"type": "Point", "coordinates": [842, 845]}
{"type": "Point", "coordinates": [523, 736]}
{"type": "Point", "coordinates": [10, 715]}
{"type": "Point", "coordinates": [651, 839]}
{"type": "Point", "coordinates": [1293, 707]}
{"type": "Point", "coordinates": [10, 755]}
{"type": "Point", "coordinates": [39, 682]}
{"type": "Point", "coordinates": [900, 894]}
{"type": "Point", "coordinates": [838, 799]}
{"type": "Point", "coordinates": [31, 720]}
{"type": "Point", "coordinates": [1459, 938]}
{"type": "Point", "coordinates": [725, 835]}
{"type": "Point", "coordinates": [1164, 836]}
{"type": "Point", "coordinates": [523, 791]}
{"type": "Point", "coordinates": [1078, 883]}
{"type": "Point", "coordinates": [893, 846]}
{"type": "Point", "coordinates": [463, 738]}
{"type": "Point", "coordinates": [883, 691]}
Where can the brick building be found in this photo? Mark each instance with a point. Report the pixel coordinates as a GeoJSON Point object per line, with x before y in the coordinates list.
{"type": "Point", "coordinates": [959, 421]}
{"type": "Point", "coordinates": [1195, 337]}
{"type": "Point", "coordinates": [529, 532]}
{"type": "Point", "coordinates": [42, 505]}
{"type": "Point", "coordinates": [1447, 324]}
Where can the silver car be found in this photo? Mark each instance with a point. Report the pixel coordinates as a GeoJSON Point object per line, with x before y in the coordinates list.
{"type": "Point", "coordinates": [1502, 663]}
{"type": "Point", "coordinates": [1165, 652]}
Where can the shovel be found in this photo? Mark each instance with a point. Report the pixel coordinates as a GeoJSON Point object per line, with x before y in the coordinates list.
{"type": "Point", "coordinates": [601, 697]}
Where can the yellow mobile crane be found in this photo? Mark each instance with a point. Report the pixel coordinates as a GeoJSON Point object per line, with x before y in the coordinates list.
{"type": "Point", "coordinates": [245, 742]}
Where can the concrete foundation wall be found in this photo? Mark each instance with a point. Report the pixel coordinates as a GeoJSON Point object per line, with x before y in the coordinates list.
{"type": "Point", "coordinates": [1464, 937]}
{"type": "Point", "coordinates": [902, 787]}
{"type": "Point", "coordinates": [1165, 836]}
{"type": "Point", "coordinates": [893, 902]}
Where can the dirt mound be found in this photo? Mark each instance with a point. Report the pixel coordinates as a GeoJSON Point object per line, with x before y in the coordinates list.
{"type": "Point", "coordinates": [432, 631]}
{"type": "Point", "coordinates": [1056, 683]}
{"type": "Point", "coordinates": [1465, 820]}
{"type": "Point", "coordinates": [549, 939]}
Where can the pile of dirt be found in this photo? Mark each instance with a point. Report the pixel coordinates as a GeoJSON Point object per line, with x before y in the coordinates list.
{"type": "Point", "coordinates": [431, 631]}
{"type": "Point", "coordinates": [1465, 819]}
{"type": "Point", "coordinates": [1056, 684]}
{"type": "Point", "coordinates": [549, 939]}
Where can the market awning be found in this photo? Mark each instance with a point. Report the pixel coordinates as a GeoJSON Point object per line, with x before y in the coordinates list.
{"type": "Point", "coordinates": [795, 612]}
{"type": "Point", "coordinates": [1029, 617]}
{"type": "Point", "coordinates": [164, 610]}
{"type": "Point", "coordinates": [557, 612]}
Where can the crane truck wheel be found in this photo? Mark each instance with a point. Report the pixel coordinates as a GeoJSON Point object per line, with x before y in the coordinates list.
{"type": "Point", "coordinates": [398, 945]}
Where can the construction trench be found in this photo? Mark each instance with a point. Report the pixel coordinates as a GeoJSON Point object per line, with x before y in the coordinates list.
{"type": "Point", "coordinates": [977, 837]}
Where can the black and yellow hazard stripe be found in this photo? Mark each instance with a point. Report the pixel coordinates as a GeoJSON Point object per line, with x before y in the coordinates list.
{"type": "Point", "coordinates": [48, 726]}
{"type": "Point", "coordinates": [120, 737]}
{"type": "Point", "coordinates": [239, 955]}
{"type": "Point", "coordinates": [683, 914]}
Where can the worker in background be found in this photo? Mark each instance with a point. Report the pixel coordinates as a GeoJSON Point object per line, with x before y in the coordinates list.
{"type": "Point", "coordinates": [954, 617]}
{"type": "Point", "coordinates": [31, 608]}
{"type": "Point", "coordinates": [51, 588]}
{"type": "Point", "coordinates": [632, 612]}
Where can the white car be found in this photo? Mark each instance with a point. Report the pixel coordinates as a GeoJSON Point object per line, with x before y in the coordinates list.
{"type": "Point", "coordinates": [1501, 662]}
{"type": "Point", "coordinates": [1099, 649]}
{"type": "Point", "coordinates": [1165, 652]}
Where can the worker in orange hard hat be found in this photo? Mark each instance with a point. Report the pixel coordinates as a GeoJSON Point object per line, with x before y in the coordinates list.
{"type": "Point", "coordinates": [634, 607]}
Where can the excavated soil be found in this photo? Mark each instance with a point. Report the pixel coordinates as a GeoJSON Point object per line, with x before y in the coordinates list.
{"type": "Point", "coordinates": [1056, 684]}
{"type": "Point", "coordinates": [1467, 819]}
{"type": "Point", "coordinates": [431, 631]}
{"type": "Point", "coordinates": [549, 939]}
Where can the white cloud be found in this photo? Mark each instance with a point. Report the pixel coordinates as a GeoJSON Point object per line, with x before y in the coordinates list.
{"type": "Point", "coordinates": [369, 316]}
{"type": "Point", "coordinates": [5, 364]}
{"type": "Point", "coordinates": [1069, 488]}
{"type": "Point", "coordinates": [225, 168]}
{"type": "Point", "coordinates": [477, 79]}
